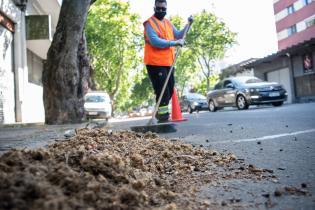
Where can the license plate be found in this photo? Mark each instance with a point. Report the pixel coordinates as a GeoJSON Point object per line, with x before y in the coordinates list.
{"type": "Point", "coordinates": [274, 94]}
{"type": "Point", "coordinates": [92, 113]}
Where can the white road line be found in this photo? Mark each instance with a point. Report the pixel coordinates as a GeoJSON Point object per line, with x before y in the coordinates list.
{"type": "Point", "coordinates": [265, 137]}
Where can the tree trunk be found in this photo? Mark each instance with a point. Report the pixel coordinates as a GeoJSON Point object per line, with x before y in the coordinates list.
{"type": "Point", "coordinates": [112, 104]}
{"type": "Point", "coordinates": [66, 71]}
{"type": "Point", "coordinates": [181, 92]}
{"type": "Point", "coordinates": [92, 82]}
{"type": "Point", "coordinates": [208, 84]}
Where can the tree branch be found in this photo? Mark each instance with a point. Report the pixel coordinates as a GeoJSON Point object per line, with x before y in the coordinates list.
{"type": "Point", "coordinates": [202, 69]}
{"type": "Point", "coordinates": [92, 2]}
{"type": "Point", "coordinates": [122, 50]}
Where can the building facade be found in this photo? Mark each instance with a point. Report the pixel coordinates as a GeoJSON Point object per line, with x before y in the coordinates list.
{"type": "Point", "coordinates": [292, 67]}
{"type": "Point", "coordinates": [238, 69]}
{"type": "Point", "coordinates": [295, 21]}
{"type": "Point", "coordinates": [26, 30]}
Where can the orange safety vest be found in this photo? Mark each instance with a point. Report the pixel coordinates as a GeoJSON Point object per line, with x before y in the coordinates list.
{"type": "Point", "coordinates": [159, 56]}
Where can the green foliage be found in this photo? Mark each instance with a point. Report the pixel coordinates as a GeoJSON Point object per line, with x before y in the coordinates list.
{"type": "Point", "coordinates": [142, 91]}
{"type": "Point", "coordinates": [201, 87]}
{"type": "Point", "coordinates": [114, 40]}
{"type": "Point", "coordinates": [177, 21]}
{"type": "Point", "coordinates": [185, 69]}
{"type": "Point", "coordinates": [206, 42]}
{"type": "Point", "coordinates": [209, 38]}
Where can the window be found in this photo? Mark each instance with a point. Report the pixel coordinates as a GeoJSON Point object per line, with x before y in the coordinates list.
{"type": "Point", "coordinates": [196, 96]}
{"type": "Point", "coordinates": [253, 80]}
{"type": "Point", "coordinates": [292, 30]}
{"type": "Point", "coordinates": [95, 99]}
{"type": "Point", "coordinates": [247, 80]}
{"type": "Point", "coordinates": [218, 86]}
{"type": "Point", "coordinates": [226, 82]}
{"type": "Point", "coordinates": [35, 68]}
{"type": "Point", "coordinates": [310, 22]}
{"type": "Point", "coordinates": [290, 9]}
{"type": "Point", "coordinates": [307, 2]}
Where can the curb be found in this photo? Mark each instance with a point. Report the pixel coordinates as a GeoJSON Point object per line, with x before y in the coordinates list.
{"type": "Point", "coordinates": [22, 125]}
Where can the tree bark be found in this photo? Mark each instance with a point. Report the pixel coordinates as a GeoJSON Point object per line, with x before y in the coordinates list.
{"type": "Point", "coordinates": [67, 71]}
{"type": "Point", "coordinates": [113, 104]}
{"type": "Point", "coordinates": [208, 84]}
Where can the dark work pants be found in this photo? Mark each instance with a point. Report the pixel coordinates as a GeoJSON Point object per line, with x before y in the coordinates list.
{"type": "Point", "coordinates": [158, 75]}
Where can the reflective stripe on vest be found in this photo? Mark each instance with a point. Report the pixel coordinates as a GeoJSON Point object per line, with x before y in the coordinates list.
{"type": "Point", "coordinates": [159, 56]}
{"type": "Point", "coordinates": [157, 25]}
{"type": "Point", "coordinates": [163, 110]}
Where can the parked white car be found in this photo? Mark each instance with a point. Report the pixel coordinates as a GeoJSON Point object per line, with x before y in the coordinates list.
{"type": "Point", "coordinates": [97, 105]}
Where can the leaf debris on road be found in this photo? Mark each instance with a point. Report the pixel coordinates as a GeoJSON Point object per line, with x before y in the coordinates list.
{"type": "Point", "coordinates": [103, 169]}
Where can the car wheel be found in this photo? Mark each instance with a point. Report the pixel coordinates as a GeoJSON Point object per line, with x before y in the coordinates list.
{"type": "Point", "coordinates": [277, 103]}
{"type": "Point", "coordinates": [241, 102]}
{"type": "Point", "coordinates": [211, 106]}
{"type": "Point", "coordinates": [190, 110]}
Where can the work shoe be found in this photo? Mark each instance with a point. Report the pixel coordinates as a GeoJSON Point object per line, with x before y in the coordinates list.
{"type": "Point", "coordinates": [162, 118]}
{"type": "Point", "coordinates": [162, 114]}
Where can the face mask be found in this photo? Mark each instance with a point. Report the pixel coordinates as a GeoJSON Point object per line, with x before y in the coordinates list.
{"type": "Point", "coordinates": [159, 15]}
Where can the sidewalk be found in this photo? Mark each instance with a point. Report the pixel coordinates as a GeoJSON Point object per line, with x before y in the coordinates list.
{"type": "Point", "coordinates": [33, 135]}
{"type": "Point", "coordinates": [21, 125]}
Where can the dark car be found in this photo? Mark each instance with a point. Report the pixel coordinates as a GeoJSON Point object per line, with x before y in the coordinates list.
{"type": "Point", "coordinates": [193, 102]}
{"type": "Point", "coordinates": [245, 91]}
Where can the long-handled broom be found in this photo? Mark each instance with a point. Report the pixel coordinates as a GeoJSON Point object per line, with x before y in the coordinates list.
{"type": "Point", "coordinates": [152, 125]}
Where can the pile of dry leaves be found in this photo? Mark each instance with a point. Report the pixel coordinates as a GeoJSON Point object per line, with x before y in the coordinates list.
{"type": "Point", "coordinates": [101, 169]}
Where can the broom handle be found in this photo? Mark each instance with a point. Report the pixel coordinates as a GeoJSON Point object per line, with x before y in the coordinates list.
{"type": "Point", "coordinates": [169, 75]}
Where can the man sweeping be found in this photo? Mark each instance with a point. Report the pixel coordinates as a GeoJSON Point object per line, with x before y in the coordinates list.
{"type": "Point", "coordinates": [161, 37]}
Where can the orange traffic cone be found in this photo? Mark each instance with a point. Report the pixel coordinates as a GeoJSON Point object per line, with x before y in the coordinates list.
{"type": "Point", "coordinates": [176, 112]}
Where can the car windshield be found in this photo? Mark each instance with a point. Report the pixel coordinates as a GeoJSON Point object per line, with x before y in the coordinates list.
{"type": "Point", "coordinates": [248, 80]}
{"type": "Point", "coordinates": [196, 96]}
{"type": "Point", "coordinates": [95, 99]}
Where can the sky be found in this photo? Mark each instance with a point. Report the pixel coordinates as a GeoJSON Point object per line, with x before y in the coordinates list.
{"type": "Point", "coordinates": [252, 20]}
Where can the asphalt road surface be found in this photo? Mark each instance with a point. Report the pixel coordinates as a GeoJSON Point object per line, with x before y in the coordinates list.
{"type": "Point", "coordinates": [278, 138]}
